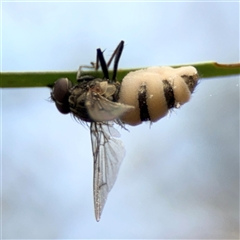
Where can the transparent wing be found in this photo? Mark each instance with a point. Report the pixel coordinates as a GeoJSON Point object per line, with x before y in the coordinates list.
{"type": "Point", "coordinates": [108, 153]}
{"type": "Point", "coordinates": [101, 109]}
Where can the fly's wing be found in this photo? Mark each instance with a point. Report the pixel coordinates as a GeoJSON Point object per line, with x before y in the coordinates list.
{"type": "Point", "coordinates": [101, 109]}
{"type": "Point", "coordinates": [108, 153]}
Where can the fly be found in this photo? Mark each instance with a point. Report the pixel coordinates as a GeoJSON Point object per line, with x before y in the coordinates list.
{"type": "Point", "coordinates": [94, 100]}
{"type": "Point", "coordinates": [143, 95]}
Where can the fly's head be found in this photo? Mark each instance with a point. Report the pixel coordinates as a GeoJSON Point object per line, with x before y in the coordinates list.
{"type": "Point", "coordinates": [61, 93]}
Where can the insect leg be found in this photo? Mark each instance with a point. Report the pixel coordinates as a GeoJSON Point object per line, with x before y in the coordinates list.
{"type": "Point", "coordinates": [118, 53]}
{"type": "Point", "coordinates": [103, 64]}
{"type": "Point", "coordinates": [80, 69]}
{"type": "Point", "coordinates": [100, 58]}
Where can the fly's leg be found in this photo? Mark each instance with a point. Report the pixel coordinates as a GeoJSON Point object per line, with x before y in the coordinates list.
{"type": "Point", "coordinates": [116, 55]}
{"type": "Point", "coordinates": [100, 59]}
{"type": "Point", "coordinates": [79, 72]}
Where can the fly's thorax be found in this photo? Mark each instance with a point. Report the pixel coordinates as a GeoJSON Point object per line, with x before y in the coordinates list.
{"type": "Point", "coordinates": [85, 93]}
{"type": "Point", "coordinates": [155, 90]}
{"type": "Point", "coordinates": [77, 101]}
{"type": "Point", "coordinates": [106, 89]}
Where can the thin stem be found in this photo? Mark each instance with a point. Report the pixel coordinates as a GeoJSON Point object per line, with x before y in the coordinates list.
{"type": "Point", "coordinates": [47, 79]}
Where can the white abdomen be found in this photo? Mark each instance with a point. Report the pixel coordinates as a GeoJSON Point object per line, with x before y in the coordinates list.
{"type": "Point", "coordinates": [155, 90]}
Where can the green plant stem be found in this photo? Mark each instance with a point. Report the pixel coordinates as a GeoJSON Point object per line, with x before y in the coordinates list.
{"type": "Point", "coordinates": [47, 79]}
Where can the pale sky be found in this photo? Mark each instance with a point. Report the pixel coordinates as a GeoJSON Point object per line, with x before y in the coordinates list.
{"type": "Point", "coordinates": [180, 177]}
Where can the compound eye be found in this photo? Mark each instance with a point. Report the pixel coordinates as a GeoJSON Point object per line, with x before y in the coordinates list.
{"type": "Point", "coordinates": [61, 93]}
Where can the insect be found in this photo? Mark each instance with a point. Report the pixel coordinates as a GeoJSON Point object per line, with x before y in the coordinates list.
{"type": "Point", "coordinates": [143, 95]}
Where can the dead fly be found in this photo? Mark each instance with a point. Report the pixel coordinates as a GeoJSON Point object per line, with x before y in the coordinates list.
{"type": "Point", "coordinates": [144, 95]}
{"type": "Point", "coordinates": [94, 100]}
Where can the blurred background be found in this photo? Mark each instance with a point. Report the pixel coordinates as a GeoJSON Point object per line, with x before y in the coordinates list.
{"type": "Point", "coordinates": [180, 176]}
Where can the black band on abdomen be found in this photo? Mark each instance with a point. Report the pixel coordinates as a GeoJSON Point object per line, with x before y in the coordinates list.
{"type": "Point", "coordinates": [142, 102]}
{"type": "Point", "coordinates": [169, 94]}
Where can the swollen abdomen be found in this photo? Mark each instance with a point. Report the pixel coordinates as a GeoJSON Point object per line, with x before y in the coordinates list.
{"type": "Point", "coordinates": [155, 90]}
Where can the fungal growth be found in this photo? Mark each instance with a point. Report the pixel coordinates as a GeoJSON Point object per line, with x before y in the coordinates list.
{"type": "Point", "coordinates": [155, 90]}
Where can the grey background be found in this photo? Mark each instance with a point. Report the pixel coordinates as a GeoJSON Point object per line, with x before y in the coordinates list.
{"type": "Point", "coordinates": [180, 177]}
